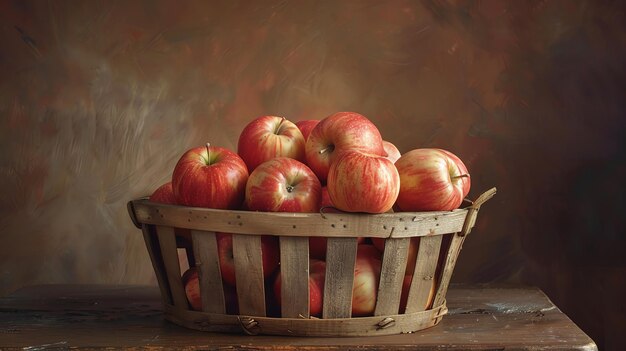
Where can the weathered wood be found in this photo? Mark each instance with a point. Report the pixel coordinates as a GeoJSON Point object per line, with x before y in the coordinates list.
{"type": "Point", "coordinates": [249, 274]}
{"type": "Point", "coordinates": [395, 225]}
{"type": "Point", "coordinates": [420, 292]}
{"type": "Point", "coordinates": [392, 276]}
{"type": "Point", "coordinates": [448, 267]}
{"type": "Point", "coordinates": [340, 261]}
{"type": "Point", "coordinates": [209, 275]}
{"type": "Point", "coordinates": [152, 244]}
{"type": "Point", "coordinates": [87, 317]}
{"type": "Point", "coordinates": [167, 243]}
{"type": "Point", "coordinates": [362, 326]}
{"type": "Point", "coordinates": [294, 271]}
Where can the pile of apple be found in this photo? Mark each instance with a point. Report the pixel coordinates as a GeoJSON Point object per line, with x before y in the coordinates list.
{"type": "Point", "coordinates": [339, 163]}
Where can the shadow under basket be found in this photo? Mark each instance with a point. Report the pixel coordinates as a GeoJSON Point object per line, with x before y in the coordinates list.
{"type": "Point", "coordinates": [441, 235]}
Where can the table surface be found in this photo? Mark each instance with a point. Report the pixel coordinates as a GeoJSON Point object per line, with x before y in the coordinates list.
{"type": "Point", "coordinates": [115, 316]}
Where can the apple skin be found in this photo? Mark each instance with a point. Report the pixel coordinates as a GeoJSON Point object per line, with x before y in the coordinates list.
{"type": "Point", "coordinates": [164, 194]}
{"type": "Point", "coordinates": [431, 180]}
{"type": "Point", "coordinates": [214, 179]}
{"type": "Point", "coordinates": [366, 278]}
{"type": "Point", "coordinates": [379, 243]}
{"type": "Point", "coordinates": [393, 154]}
{"type": "Point", "coordinates": [306, 126]}
{"type": "Point", "coordinates": [317, 277]}
{"type": "Point", "coordinates": [339, 132]}
{"type": "Point", "coordinates": [192, 290]}
{"type": "Point", "coordinates": [268, 137]}
{"type": "Point", "coordinates": [270, 253]}
{"type": "Point", "coordinates": [359, 182]}
{"type": "Point", "coordinates": [283, 185]}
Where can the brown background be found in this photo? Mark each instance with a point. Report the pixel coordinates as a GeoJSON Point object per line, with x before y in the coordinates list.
{"type": "Point", "coordinates": [98, 99]}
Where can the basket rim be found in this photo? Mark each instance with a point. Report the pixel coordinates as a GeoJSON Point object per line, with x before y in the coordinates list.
{"type": "Point", "coordinates": [384, 225]}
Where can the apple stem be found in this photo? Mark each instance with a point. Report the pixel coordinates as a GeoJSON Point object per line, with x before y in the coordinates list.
{"type": "Point", "coordinates": [327, 149]}
{"type": "Point", "coordinates": [208, 153]}
{"type": "Point", "coordinates": [460, 176]}
{"type": "Point", "coordinates": [282, 119]}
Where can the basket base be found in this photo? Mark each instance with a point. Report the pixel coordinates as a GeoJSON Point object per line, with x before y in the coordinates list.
{"type": "Point", "coordinates": [338, 327]}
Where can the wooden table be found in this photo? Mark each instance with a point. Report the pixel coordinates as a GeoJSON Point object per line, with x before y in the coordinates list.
{"type": "Point", "coordinates": [129, 317]}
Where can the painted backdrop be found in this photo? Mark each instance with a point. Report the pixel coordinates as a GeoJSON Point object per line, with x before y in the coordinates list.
{"type": "Point", "coordinates": [98, 99]}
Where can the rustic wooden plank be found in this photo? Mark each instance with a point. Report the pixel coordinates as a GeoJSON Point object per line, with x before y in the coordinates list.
{"type": "Point", "coordinates": [392, 276]}
{"type": "Point", "coordinates": [209, 275]}
{"type": "Point", "coordinates": [336, 327]}
{"type": "Point", "coordinates": [448, 267]}
{"type": "Point", "coordinates": [480, 318]}
{"type": "Point", "coordinates": [420, 292]}
{"type": "Point", "coordinates": [294, 270]}
{"type": "Point", "coordinates": [340, 261]}
{"type": "Point", "coordinates": [249, 274]}
{"type": "Point", "coordinates": [167, 243]}
{"type": "Point", "coordinates": [154, 250]}
{"type": "Point", "coordinates": [396, 225]}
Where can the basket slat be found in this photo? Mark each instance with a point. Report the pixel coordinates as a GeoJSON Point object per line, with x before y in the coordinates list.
{"type": "Point", "coordinates": [294, 270]}
{"type": "Point", "coordinates": [249, 274]}
{"type": "Point", "coordinates": [209, 275]}
{"type": "Point", "coordinates": [340, 261]}
{"type": "Point", "coordinates": [152, 244]}
{"type": "Point", "coordinates": [167, 242]}
{"type": "Point", "coordinates": [391, 276]}
{"type": "Point", "coordinates": [453, 252]}
{"type": "Point", "coordinates": [424, 274]}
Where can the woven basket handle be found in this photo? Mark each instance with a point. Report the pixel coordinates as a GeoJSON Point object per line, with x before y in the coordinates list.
{"type": "Point", "coordinates": [472, 211]}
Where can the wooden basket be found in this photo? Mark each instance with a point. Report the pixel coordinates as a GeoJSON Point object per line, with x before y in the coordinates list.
{"type": "Point", "coordinates": [441, 237]}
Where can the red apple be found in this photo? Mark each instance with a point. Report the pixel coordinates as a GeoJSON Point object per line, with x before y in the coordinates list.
{"type": "Point", "coordinates": [431, 180]}
{"type": "Point", "coordinates": [342, 131]}
{"type": "Point", "coordinates": [164, 194]}
{"type": "Point", "coordinates": [393, 154]}
{"type": "Point", "coordinates": [210, 176]}
{"type": "Point", "coordinates": [270, 253]}
{"type": "Point", "coordinates": [283, 185]}
{"type": "Point", "coordinates": [317, 274]}
{"type": "Point", "coordinates": [326, 202]}
{"type": "Point", "coordinates": [306, 126]}
{"type": "Point", "coordinates": [192, 290]}
{"type": "Point", "coordinates": [404, 295]}
{"type": "Point", "coordinates": [359, 182]}
{"type": "Point", "coordinates": [366, 277]}
{"type": "Point", "coordinates": [269, 137]}
{"type": "Point", "coordinates": [379, 243]}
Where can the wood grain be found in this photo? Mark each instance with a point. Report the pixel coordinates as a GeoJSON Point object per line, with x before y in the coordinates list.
{"type": "Point", "coordinates": [392, 276]}
{"type": "Point", "coordinates": [340, 260]}
{"type": "Point", "coordinates": [395, 225]}
{"type": "Point", "coordinates": [167, 243]}
{"type": "Point", "coordinates": [448, 267]}
{"type": "Point", "coordinates": [294, 271]}
{"type": "Point", "coordinates": [87, 317]}
{"type": "Point", "coordinates": [424, 274]}
{"type": "Point", "coordinates": [209, 275]}
{"type": "Point", "coordinates": [152, 244]}
{"type": "Point", "coordinates": [249, 274]}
